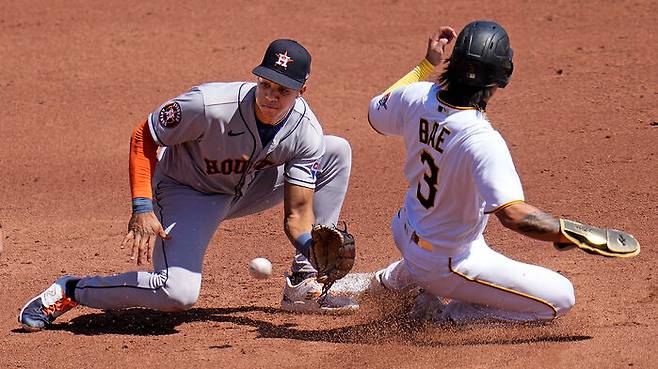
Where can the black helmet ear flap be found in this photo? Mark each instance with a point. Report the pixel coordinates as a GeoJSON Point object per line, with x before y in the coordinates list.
{"type": "Point", "coordinates": [507, 73]}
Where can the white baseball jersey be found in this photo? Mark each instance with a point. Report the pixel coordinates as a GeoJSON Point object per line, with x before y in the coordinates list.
{"type": "Point", "coordinates": [458, 167]}
{"type": "Point", "coordinates": [213, 145]}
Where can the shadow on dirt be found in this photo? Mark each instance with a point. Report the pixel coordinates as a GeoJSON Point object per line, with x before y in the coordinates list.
{"type": "Point", "coordinates": [142, 322]}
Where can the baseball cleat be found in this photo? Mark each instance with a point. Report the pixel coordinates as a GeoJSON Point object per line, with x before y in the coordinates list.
{"type": "Point", "coordinates": [387, 301]}
{"type": "Point", "coordinates": [304, 297]}
{"type": "Point", "coordinates": [428, 308]}
{"type": "Point", "coordinates": [377, 287]}
{"type": "Point", "coordinates": [42, 310]}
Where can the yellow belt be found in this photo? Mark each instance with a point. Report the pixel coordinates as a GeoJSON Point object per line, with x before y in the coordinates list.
{"type": "Point", "coordinates": [420, 242]}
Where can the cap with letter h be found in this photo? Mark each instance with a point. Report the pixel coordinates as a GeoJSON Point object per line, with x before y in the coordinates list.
{"type": "Point", "coordinates": [286, 63]}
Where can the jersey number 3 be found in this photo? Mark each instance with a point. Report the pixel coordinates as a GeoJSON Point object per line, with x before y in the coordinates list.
{"type": "Point", "coordinates": [431, 180]}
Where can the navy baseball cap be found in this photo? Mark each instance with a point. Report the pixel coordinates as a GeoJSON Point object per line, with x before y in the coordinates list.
{"type": "Point", "coordinates": [286, 62]}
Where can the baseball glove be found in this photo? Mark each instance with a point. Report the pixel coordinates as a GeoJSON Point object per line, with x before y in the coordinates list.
{"type": "Point", "coordinates": [332, 253]}
{"type": "Point", "coordinates": [594, 240]}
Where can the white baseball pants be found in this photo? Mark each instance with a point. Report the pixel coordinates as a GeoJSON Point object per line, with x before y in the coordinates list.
{"type": "Point", "coordinates": [482, 283]}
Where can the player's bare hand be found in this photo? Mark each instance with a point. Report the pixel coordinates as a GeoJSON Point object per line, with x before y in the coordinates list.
{"type": "Point", "coordinates": [143, 230]}
{"type": "Point", "coordinates": [436, 45]}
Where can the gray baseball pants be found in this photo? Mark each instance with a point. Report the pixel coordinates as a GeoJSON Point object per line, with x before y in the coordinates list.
{"type": "Point", "coordinates": [175, 282]}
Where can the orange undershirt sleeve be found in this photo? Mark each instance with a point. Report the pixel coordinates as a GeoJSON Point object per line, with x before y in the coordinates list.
{"type": "Point", "coordinates": [143, 158]}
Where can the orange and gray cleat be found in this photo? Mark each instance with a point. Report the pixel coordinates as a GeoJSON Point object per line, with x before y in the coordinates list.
{"type": "Point", "coordinates": [42, 310]}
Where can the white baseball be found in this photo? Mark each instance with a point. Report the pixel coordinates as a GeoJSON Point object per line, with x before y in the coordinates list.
{"type": "Point", "coordinates": [260, 268]}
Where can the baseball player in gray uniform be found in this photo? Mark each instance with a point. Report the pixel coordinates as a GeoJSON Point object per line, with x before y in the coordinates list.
{"type": "Point", "coordinates": [219, 151]}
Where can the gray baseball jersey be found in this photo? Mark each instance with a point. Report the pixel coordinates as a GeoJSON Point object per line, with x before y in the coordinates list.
{"type": "Point", "coordinates": [214, 168]}
{"type": "Point", "coordinates": [213, 144]}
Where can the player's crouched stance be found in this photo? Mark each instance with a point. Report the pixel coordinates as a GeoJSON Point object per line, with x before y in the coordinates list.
{"type": "Point", "coordinates": [459, 170]}
{"type": "Point", "coordinates": [227, 150]}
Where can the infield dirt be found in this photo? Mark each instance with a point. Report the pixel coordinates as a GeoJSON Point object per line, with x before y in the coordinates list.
{"type": "Point", "coordinates": [579, 117]}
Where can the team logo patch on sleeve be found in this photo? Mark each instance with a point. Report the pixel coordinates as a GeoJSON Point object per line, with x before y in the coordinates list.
{"type": "Point", "coordinates": [170, 115]}
{"type": "Point", "coordinates": [382, 102]}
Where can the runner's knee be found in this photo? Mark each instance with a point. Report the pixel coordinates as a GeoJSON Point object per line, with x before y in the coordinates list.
{"type": "Point", "coordinates": [566, 298]}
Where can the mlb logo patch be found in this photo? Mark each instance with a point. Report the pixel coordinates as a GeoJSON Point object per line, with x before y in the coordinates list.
{"type": "Point", "coordinates": [382, 102]}
{"type": "Point", "coordinates": [315, 169]}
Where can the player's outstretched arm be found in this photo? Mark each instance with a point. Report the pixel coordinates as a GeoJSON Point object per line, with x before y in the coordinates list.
{"type": "Point", "coordinates": [531, 221]}
{"type": "Point", "coordinates": [384, 121]}
{"type": "Point", "coordinates": [567, 234]}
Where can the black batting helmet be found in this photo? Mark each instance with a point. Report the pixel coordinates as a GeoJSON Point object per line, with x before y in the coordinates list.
{"type": "Point", "coordinates": [482, 56]}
